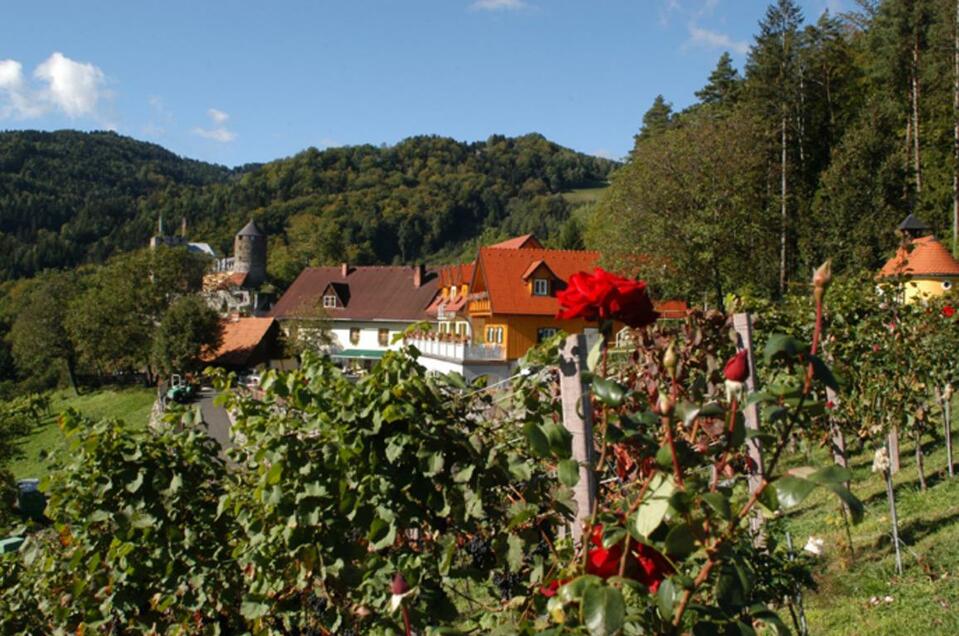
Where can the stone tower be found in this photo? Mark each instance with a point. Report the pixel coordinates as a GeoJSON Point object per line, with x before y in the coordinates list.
{"type": "Point", "coordinates": [249, 254]}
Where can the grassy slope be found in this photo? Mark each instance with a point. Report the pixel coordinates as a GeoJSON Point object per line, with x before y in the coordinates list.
{"type": "Point", "coordinates": [925, 600]}
{"type": "Point", "coordinates": [582, 196]}
{"type": "Point", "coordinates": [129, 404]}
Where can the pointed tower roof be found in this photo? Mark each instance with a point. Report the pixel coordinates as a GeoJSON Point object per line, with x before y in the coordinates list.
{"type": "Point", "coordinates": [250, 229]}
{"type": "Point", "coordinates": [912, 224]}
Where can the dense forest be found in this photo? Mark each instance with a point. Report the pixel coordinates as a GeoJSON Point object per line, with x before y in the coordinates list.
{"type": "Point", "coordinates": [68, 198]}
{"type": "Point", "coordinates": [835, 130]}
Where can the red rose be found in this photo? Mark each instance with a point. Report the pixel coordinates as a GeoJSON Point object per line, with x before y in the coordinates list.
{"type": "Point", "coordinates": [602, 295]}
{"type": "Point", "coordinates": [549, 590]}
{"type": "Point", "coordinates": [948, 311]}
{"type": "Point", "coordinates": [737, 367]}
{"type": "Point", "coordinates": [651, 566]}
{"type": "Point", "coordinates": [603, 562]}
{"type": "Point", "coordinates": [584, 297]}
{"type": "Point", "coordinates": [643, 563]}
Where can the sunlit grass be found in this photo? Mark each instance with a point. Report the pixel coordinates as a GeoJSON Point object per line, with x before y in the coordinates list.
{"type": "Point", "coordinates": [132, 405]}
{"type": "Point", "coordinates": [861, 594]}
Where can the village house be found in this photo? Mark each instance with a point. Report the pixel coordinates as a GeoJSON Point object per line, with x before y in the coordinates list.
{"type": "Point", "coordinates": [361, 309]}
{"type": "Point", "coordinates": [507, 305]}
{"type": "Point", "coordinates": [924, 266]}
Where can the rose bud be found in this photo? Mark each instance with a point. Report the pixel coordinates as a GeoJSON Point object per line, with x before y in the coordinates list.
{"type": "Point", "coordinates": [671, 360]}
{"type": "Point", "coordinates": [823, 276]}
{"type": "Point", "coordinates": [399, 585]}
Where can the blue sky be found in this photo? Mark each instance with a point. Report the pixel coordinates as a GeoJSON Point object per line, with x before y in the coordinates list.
{"type": "Point", "coordinates": [242, 81]}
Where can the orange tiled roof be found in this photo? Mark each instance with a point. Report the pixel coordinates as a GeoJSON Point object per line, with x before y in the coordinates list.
{"type": "Point", "coordinates": [502, 272]}
{"type": "Point", "coordinates": [925, 256]}
{"type": "Point", "coordinates": [527, 241]}
{"type": "Point", "coordinates": [241, 337]}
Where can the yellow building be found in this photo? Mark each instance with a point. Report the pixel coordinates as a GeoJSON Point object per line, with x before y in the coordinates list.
{"type": "Point", "coordinates": [924, 265]}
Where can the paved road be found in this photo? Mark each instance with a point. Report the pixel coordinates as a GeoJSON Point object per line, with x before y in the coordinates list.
{"type": "Point", "coordinates": [217, 421]}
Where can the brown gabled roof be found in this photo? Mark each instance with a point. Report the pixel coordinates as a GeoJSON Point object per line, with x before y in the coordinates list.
{"type": "Point", "coordinates": [502, 271]}
{"type": "Point", "coordinates": [241, 337]}
{"type": "Point", "coordinates": [923, 256]}
{"type": "Point", "coordinates": [368, 293]}
{"type": "Point", "coordinates": [519, 242]}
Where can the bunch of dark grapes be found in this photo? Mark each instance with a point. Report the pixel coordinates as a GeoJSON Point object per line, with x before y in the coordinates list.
{"type": "Point", "coordinates": [316, 604]}
{"type": "Point", "coordinates": [541, 549]}
{"type": "Point", "coordinates": [506, 582]}
{"type": "Point", "coordinates": [480, 552]}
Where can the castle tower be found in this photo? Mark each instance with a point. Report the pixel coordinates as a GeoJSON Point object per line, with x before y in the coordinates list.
{"type": "Point", "coordinates": [249, 253]}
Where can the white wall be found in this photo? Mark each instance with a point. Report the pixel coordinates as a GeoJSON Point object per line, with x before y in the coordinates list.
{"type": "Point", "coordinates": [369, 334]}
{"type": "Point", "coordinates": [495, 372]}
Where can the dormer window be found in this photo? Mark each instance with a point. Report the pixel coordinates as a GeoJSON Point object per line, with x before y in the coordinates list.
{"type": "Point", "coordinates": [329, 301]}
{"type": "Point", "coordinates": [541, 287]}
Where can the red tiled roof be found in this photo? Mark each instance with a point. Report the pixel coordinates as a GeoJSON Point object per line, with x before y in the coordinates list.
{"type": "Point", "coordinates": [241, 337]}
{"type": "Point", "coordinates": [671, 308]}
{"type": "Point", "coordinates": [502, 272]}
{"type": "Point", "coordinates": [373, 293]}
{"type": "Point", "coordinates": [527, 241]}
{"type": "Point", "coordinates": [925, 256]}
{"type": "Point", "coordinates": [455, 274]}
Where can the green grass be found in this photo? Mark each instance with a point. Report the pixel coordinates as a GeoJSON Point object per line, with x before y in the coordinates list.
{"type": "Point", "coordinates": [925, 600]}
{"type": "Point", "coordinates": [582, 196]}
{"type": "Point", "coordinates": [132, 405]}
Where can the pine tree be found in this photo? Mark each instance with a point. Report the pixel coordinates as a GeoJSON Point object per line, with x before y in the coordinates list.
{"type": "Point", "coordinates": [658, 118]}
{"type": "Point", "coordinates": [773, 69]}
{"type": "Point", "coordinates": [723, 85]}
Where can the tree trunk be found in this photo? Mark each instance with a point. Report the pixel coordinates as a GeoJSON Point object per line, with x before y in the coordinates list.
{"type": "Point", "coordinates": [917, 164]}
{"type": "Point", "coordinates": [782, 208]}
{"type": "Point", "coordinates": [72, 375]}
{"type": "Point", "coordinates": [955, 147]}
{"type": "Point", "coordinates": [919, 463]}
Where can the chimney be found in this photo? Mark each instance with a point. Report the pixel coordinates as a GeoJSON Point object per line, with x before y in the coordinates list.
{"type": "Point", "coordinates": [419, 272]}
{"type": "Point", "coordinates": [344, 269]}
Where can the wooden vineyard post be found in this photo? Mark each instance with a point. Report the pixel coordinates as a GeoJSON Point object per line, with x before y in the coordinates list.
{"type": "Point", "coordinates": [743, 325]}
{"type": "Point", "coordinates": [947, 421]}
{"type": "Point", "coordinates": [578, 420]}
{"type": "Point", "coordinates": [838, 438]}
{"type": "Point", "coordinates": [894, 450]}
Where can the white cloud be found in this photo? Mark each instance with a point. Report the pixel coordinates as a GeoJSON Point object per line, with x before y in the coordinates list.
{"type": "Point", "coordinates": [219, 132]}
{"type": "Point", "coordinates": [218, 116]}
{"type": "Point", "coordinates": [699, 36]}
{"type": "Point", "coordinates": [70, 87]}
{"type": "Point", "coordinates": [694, 9]}
{"type": "Point", "coordinates": [73, 87]}
{"type": "Point", "coordinates": [499, 5]}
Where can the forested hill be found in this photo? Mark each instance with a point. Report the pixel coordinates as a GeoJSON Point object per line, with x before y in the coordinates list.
{"type": "Point", "coordinates": [68, 197]}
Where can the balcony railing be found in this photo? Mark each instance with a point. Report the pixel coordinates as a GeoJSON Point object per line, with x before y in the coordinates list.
{"type": "Point", "coordinates": [458, 350]}
{"type": "Point", "coordinates": [479, 306]}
